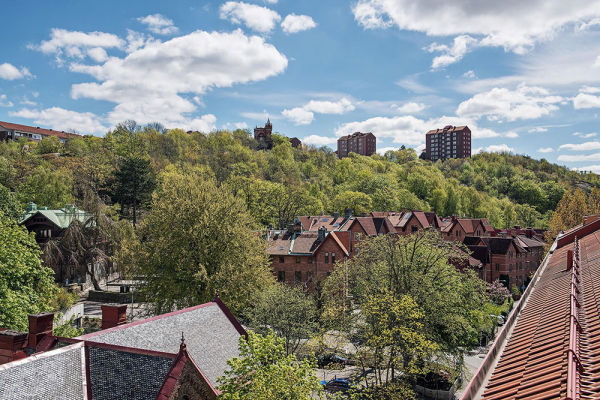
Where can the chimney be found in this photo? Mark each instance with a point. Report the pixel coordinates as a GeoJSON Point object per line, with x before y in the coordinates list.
{"type": "Point", "coordinates": [12, 346]}
{"type": "Point", "coordinates": [517, 227]}
{"type": "Point", "coordinates": [322, 233]}
{"type": "Point", "coordinates": [569, 259]}
{"type": "Point", "coordinates": [113, 315]}
{"type": "Point", "coordinates": [290, 230]}
{"type": "Point", "coordinates": [336, 215]}
{"type": "Point", "coordinates": [453, 218]}
{"type": "Point", "coordinates": [347, 213]}
{"type": "Point", "coordinates": [40, 325]}
{"type": "Point", "coordinates": [529, 232]}
{"type": "Point", "coordinates": [403, 210]}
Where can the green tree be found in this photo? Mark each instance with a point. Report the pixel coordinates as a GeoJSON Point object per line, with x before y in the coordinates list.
{"type": "Point", "coordinates": [196, 240]}
{"type": "Point", "coordinates": [358, 202]}
{"type": "Point", "coordinates": [289, 312]}
{"type": "Point", "coordinates": [9, 206]}
{"type": "Point", "coordinates": [51, 144]}
{"type": "Point", "coordinates": [452, 202]}
{"type": "Point", "coordinates": [265, 371]}
{"type": "Point", "coordinates": [134, 183]}
{"type": "Point", "coordinates": [47, 187]}
{"type": "Point", "coordinates": [438, 201]}
{"type": "Point", "coordinates": [26, 287]}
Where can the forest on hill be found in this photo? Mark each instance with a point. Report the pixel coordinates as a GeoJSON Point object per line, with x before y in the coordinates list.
{"type": "Point", "coordinates": [122, 169]}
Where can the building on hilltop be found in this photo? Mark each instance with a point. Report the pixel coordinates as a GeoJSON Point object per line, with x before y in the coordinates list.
{"type": "Point", "coordinates": [296, 143]}
{"type": "Point", "coordinates": [10, 131]}
{"type": "Point", "coordinates": [449, 142]}
{"type": "Point", "coordinates": [364, 144]}
{"type": "Point", "coordinates": [178, 355]}
{"type": "Point", "coordinates": [263, 135]}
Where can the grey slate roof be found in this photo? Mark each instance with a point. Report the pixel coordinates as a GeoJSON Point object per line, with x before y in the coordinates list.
{"type": "Point", "coordinates": [54, 375]}
{"type": "Point", "coordinates": [210, 337]}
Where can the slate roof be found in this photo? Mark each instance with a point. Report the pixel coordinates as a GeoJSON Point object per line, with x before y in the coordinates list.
{"type": "Point", "coordinates": [61, 218]}
{"type": "Point", "coordinates": [497, 245]}
{"type": "Point", "coordinates": [554, 347]}
{"type": "Point", "coordinates": [211, 335]}
{"type": "Point", "coordinates": [305, 243]}
{"type": "Point", "coordinates": [53, 375]}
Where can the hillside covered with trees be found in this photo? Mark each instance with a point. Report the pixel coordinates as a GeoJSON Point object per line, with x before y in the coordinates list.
{"type": "Point", "coordinates": [122, 169]}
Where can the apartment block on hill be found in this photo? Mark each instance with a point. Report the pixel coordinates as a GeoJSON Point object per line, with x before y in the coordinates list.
{"type": "Point", "coordinates": [448, 142]}
{"type": "Point", "coordinates": [10, 131]}
{"type": "Point", "coordinates": [364, 144]}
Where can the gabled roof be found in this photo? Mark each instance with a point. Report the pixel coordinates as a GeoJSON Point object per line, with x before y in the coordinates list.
{"type": "Point", "coordinates": [61, 218]}
{"type": "Point", "coordinates": [528, 243]}
{"type": "Point", "coordinates": [211, 334]}
{"type": "Point", "coordinates": [497, 245]}
{"type": "Point", "coordinates": [36, 130]}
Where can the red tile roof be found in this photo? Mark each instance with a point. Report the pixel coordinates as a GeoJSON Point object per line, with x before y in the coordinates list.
{"type": "Point", "coordinates": [37, 130]}
{"type": "Point", "coordinates": [554, 347]}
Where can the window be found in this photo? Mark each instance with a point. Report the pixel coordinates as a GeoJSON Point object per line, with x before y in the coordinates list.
{"type": "Point", "coordinates": [297, 260]}
{"type": "Point", "coordinates": [413, 229]}
{"type": "Point", "coordinates": [326, 258]}
{"type": "Point", "coordinates": [281, 260]}
{"type": "Point", "coordinates": [281, 276]}
{"type": "Point", "coordinates": [297, 276]}
{"type": "Point", "coordinates": [497, 267]}
{"type": "Point", "coordinates": [357, 236]}
{"type": "Point", "coordinates": [332, 257]}
{"type": "Point", "coordinates": [310, 260]}
{"type": "Point", "coordinates": [510, 254]}
{"type": "Point", "coordinates": [510, 267]}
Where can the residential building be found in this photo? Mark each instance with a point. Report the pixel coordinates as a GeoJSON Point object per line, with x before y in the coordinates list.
{"type": "Point", "coordinates": [10, 131]}
{"type": "Point", "coordinates": [448, 142]}
{"type": "Point", "coordinates": [457, 229]}
{"type": "Point", "coordinates": [263, 135]}
{"type": "Point", "coordinates": [178, 355]}
{"type": "Point", "coordinates": [296, 143]}
{"type": "Point", "coordinates": [550, 344]}
{"type": "Point", "coordinates": [364, 144]}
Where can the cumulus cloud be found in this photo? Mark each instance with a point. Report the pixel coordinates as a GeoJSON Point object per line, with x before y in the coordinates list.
{"type": "Point", "coordinates": [60, 119]}
{"type": "Point", "coordinates": [545, 150]}
{"type": "Point", "coordinates": [585, 100]}
{"type": "Point", "coordinates": [27, 102]}
{"type": "Point", "coordinates": [77, 45]}
{"type": "Point", "coordinates": [4, 102]}
{"type": "Point", "coordinates": [236, 125]}
{"type": "Point", "coordinates": [206, 123]}
{"type": "Point", "coordinates": [451, 54]}
{"type": "Point", "coordinates": [305, 115]}
{"type": "Point", "coordinates": [581, 146]}
{"type": "Point", "coordinates": [503, 104]}
{"type": "Point", "coordinates": [515, 26]}
{"type": "Point", "coordinates": [499, 148]}
{"type": "Point", "coordinates": [537, 129]}
{"type": "Point", "coordinates": [411, 107]}
{"type": "Point", "coordinates": [296, 23]}
{"type": "Point", "coordinates": [148, 84]}
{"type": "Point", "coordinates": [580, 157]}
{"type": "Point", "coordinates": [591, 168]}
{"type": "Point", "coordinates": [159, 24]}
{"type": "Point", "coordinates": [10, 72]}
{"type": "Point", "coordinates": [470, 74]}
{"type": "Point", "coordinates": [317, 140]}
{"type": "Point", "coordinates": [511, 135]}
{"type": "Point", "coordinates": [257, 18]}
{"type": "Point", "coordinates": [585, 135]}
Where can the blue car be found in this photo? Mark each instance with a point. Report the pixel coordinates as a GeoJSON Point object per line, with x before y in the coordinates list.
{"type": "Point", "coordinates": [338, 385]}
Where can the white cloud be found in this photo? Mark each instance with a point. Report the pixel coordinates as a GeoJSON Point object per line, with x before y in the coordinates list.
{"type": "Point", "coordinates": [147, 84]}
{"type": "Point", "coordinates": [584, 100]}
{"type": "Point", "coordinates": [515, 26]}
{"type": "Point", "coordinates": [581, 146]}
{"type": "Point", "coordinates": [545, 150]}
{"type": "Point", "coordinates": [35, 94]}
{"type": "Point", "coordinates": [411, 107]}
{"type": "Point", "coordinates": [451, 54]}
{"type": "Point", "coordinates": [503, 104]}
{"type": "Point", "coordinates": [296, 23]}
{"type": "Point", "coordinates": [76, 44]}
{"type": "Point", "coordinates": [470, 74]}
{"type": "Point", "coordinates": [4, 102]}
{"type": "Point", "coordinates": [63, 120]}
{"type": "Point", "coordinates": [305, 115]}
{"type": "Point", "coordinates": [499, 148]}
{"type": "Point", "coordinates": [317, 140]}
{"type": "Point", "coordinates": [159, 24]}
{"type": "Point", "coordinates": [27, 102]}
{"type": "Point", "coordinates": [299, 116]}
{"type": "Point", "coordinates": [237, 125]}
{"type": "Point", "coordinates": [381, 151]}
{"type": "Point", "coordinates": [591, 168]}
{"type": "Point", "coordinates": [585, 135]}
{"type": "Point", "coordinates": [580, 157]}
{"type": "Point", "coordinates": [257, 18]}
{"type": "Point", "coordinates": [589, 89]}
{"type": "Point", "coordinates": [10, 72]}
{"type": "Point", "coordinates": [206, 123]}
{"type": "Point", "coordinates": [271, 1]}
{"type": "Point", "coordinates": [537, 129]}
{"type": "Point", "coordinates": [98, 54]}
{"type": "Point", "coordinates": [511, 135]}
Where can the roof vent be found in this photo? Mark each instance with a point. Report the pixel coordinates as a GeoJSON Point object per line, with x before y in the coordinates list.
{"type": "Point", "coordinates": [32, 207]}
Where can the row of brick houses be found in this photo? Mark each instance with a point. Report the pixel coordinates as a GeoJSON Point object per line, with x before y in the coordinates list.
{"type": "Point", "coordinates": [10, 131]}
{"type": "Point", "coordinates": [307, 251]}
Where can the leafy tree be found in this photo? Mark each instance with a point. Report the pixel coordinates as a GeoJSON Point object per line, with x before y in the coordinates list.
{"type": "Point", "coordinates": [196, 240]}
{"type": "Point", "coordinates": [358, 202]}
{"type": "Point", "coordinates": [497, 292]}
{"type": "Point", "coordinates": [452, 202]}
{"type": "Point", "coordinates": [134, 181]}
{"type": "Point", "coordinates": [9, 206]}
{"type": "Point", "coordinates": [438, 200]}
{"type": "Point", "coordinates": [47, 187]}
{"type": "Point", "coordinates": [569, 212]}
{"type": "Point", "coordinates": [289, 312]}
{"type": "Point", "coordinates": [265, 371]}
{"type": "Point", "coordinates": [26, 287]}
{"type": "Point", "coordinates": [51, 144]}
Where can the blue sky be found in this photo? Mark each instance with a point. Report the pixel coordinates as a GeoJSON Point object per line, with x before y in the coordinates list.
{"type": "Point", "coordinates": [524, 76]}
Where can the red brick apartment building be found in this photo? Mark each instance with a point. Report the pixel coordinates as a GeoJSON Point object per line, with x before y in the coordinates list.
{"type": "Point", "coordinates": [364, 144]}
{"type": "Point", "coordinates": [10, 131]}
{"type": "Point", "coordinates": [448, 142]}
{"type": "Point", "coordinates": [549, 346]}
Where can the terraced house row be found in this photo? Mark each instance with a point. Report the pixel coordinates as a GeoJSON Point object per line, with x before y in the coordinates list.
{"type": "Point", "coordinates": [306, 252]}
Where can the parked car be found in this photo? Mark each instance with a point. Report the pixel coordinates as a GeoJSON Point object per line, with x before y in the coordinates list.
{"type": "Point", "coordinates": [338, 385]}
{"type": "Point", "coordinates": [329, 359]}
